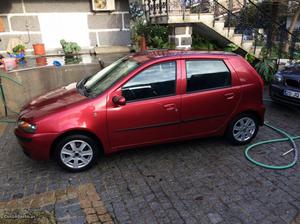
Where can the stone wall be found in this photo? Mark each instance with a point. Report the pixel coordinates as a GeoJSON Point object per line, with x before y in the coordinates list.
{"type": "Point", "coordinates": [40, 80]}
{"type": "Point", "coordinates": [181, 36]}
{"type": "Point", "coordinates": [101, 28]}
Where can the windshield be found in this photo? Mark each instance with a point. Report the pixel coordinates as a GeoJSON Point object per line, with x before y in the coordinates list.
{"type": "Point", "coordinates": [105, 78]}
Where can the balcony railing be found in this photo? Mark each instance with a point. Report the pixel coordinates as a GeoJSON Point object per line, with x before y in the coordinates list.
{"type": "Point", "coordinates": [263, 32]}
{"type": "Point", "coordinates": [161, 8]}
{"type": "Point", "coordinates": [156, 7]}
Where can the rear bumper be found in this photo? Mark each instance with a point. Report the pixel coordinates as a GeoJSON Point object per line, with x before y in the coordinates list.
{"type": "Point", "coordinates": [36, 146]}
{"type": "Point", "coordinates": [276, 93]}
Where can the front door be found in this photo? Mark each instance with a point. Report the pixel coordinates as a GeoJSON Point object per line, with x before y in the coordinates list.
{"type": "Point", "coordinates": [151, 113]}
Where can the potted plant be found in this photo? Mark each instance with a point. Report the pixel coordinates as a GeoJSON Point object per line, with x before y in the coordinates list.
{"type": "Point", "coordinates": [70, 48]}
{"type": "Point", "coordinates": [137, 23]}
{"type": "Point", "coordinates": [140, 29]}
{"type": "Point", "coordinates": [39, 49]}
{"type": "Point", "coordinates": [73, 60]}
{"type": "Point", "coordinates": [18, 52]}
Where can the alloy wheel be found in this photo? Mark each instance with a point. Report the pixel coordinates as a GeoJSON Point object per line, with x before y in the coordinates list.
{"type": "Point", "coordinates": [76, 154]}
{"type": "Point", "coordinates": [244, 129]}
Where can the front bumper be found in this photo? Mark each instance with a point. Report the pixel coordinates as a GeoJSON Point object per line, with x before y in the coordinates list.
{"type": "Point", "coordinates": [276, 93]}
{"type": "Point", "coordinates": [36, 146]}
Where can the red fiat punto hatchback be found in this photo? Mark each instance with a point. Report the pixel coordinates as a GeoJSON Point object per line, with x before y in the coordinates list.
{"type": "Point", "coordinates": [144, 98]}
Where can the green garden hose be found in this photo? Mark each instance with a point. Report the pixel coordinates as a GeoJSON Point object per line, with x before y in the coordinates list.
{"type": "Point", "coordinates": [288, 138]}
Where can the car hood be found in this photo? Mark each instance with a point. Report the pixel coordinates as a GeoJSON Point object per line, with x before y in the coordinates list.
{"type": "Point", "coordinates": [52, 101]}
{"type": "Point", "coordinates": [291, 73]}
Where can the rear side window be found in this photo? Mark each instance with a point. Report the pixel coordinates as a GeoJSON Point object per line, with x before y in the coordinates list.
{"type": "Point", "coordinates": [206, 74]}
{"type": "Point", "coordinates": [155, 81]}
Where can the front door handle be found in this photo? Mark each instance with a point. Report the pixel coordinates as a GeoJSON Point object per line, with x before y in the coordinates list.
{"type": "Point", "coordinates": [171, 106]}
{"type": "Point", "coordinates": [229, 96]}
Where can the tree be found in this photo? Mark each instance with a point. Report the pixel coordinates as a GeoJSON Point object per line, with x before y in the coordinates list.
{"type": "Point", "coordinates": [291, 28]}
{"type": "Point", "coordinates": [279, 11]}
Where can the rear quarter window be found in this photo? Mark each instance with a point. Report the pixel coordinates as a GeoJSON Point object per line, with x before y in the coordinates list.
{"type": "Point", "coordinates": [206, 74]}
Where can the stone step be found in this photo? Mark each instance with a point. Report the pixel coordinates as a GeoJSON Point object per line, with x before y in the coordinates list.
{"type": "Point", "coordinates": [247, 45]}
{"type": "Point", "coordinates": [228, 32]}
{"type": "Point", "coordinates": [219, 26]}
{"type": "Point", "coordinates": [237, 39]}
{"type": "Point", "coordinates": [206, 18]}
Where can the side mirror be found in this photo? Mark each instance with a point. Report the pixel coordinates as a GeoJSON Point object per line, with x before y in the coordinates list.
{"type": "Point", "coordinates": [119, 100]}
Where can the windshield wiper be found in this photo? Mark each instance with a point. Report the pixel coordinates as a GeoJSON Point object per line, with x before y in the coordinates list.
{"type": "Point", "coordinates": [81, 88]}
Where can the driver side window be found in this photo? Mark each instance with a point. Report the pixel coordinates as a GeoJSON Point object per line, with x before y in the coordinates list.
{"type": "Point", "coordinates": [155, 81]}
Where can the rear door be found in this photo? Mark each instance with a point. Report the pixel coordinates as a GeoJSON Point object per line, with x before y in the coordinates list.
{"type": "Point", "coordinates": [210, 95]}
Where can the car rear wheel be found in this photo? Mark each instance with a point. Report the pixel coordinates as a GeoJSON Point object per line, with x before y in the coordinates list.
{"type": "Point", "coordinates": [76, 153]}
{"type": "Point", "coordinates": [242, 129]}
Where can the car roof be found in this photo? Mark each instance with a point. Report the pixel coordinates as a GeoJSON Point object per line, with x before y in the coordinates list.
{"type": "Point", "coordinates": [157, 54]}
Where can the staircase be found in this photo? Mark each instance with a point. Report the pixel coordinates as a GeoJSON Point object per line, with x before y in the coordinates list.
{"type": "Point", "coordinates": [216, 20]}
{"type": "Point", "coordinates": [246, 43]}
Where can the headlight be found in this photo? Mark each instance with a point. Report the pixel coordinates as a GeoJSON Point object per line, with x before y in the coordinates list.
{"type": "Point", "coordinates": [27, 127]}
{"type": "Point", "coordinates": [278, 77]}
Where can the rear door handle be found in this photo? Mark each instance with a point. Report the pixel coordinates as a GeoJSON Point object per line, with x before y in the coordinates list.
{"type": "Point", "coordinates": [170, 106]}
{"type": "Point", "coordinates": [229, 96]}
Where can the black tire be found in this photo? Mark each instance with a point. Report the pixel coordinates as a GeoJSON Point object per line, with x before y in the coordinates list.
{"type": "Point", "coordinates": [232, 134]}
{"type": "Point", "coordinates": [84, 162]}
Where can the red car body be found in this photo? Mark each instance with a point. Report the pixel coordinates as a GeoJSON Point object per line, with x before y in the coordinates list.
{"type": "Point", "coordinates": [166, 119]}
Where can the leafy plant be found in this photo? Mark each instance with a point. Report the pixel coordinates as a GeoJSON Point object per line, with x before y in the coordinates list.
{"type": "Point", "coordinates": [266, 68]}
{"type": "Point", "coordinates": [19, 49]}
{"type": "Point", "coordinates": [73, 60]}
{"type": "Point", "coordinates": [231, 47]}
{"type": "Point", "coordinates": [158, 42]}
{"type": "Point", "coordinates": [297, 54]}
{"type": "Point", "coordinates": [70, 47]}
{"type": "Point", "coordinates": [273, 52]}
{"type": "Point", "coordinates": [250, 58]}
{"type": "Point", "coordinates": [140, 27]}
{"type": "Point", "coordinates": [260, 40]}
{"type": "Point", "coordinates": [201, 43]}
{"type": "Point", "coordinates": [156, 35]}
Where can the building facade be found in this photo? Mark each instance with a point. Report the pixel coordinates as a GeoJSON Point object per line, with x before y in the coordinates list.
{"type": "Point", "coordinates": [49, 21]}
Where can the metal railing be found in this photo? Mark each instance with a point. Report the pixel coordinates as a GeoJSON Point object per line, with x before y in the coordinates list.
{"type": "Point", "coordinates": [159, 8]}
{"type": "Point", "coordinates": [272, 35]}
{"type": "Point", "coordinates": [156, 8]}
{"type": "Point", "coordinates": [276, 33]}
{"type": "Point", "coordinates": [233, 17]}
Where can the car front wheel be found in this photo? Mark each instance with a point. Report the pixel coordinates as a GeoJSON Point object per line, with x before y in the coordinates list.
{"type": "Point", "coordinates": [76, 153]}
{"type": "Point", "coordinates": [242, 129]}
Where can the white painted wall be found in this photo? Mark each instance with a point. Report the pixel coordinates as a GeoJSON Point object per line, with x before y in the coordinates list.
{"type": "Point", "coordinates": [57, 26]}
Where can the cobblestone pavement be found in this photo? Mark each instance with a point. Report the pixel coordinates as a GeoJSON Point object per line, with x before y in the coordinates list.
{"type": "Point", "coordinates": [73, 205]}
{"type": "Point", "coordinates": [199, 181]}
